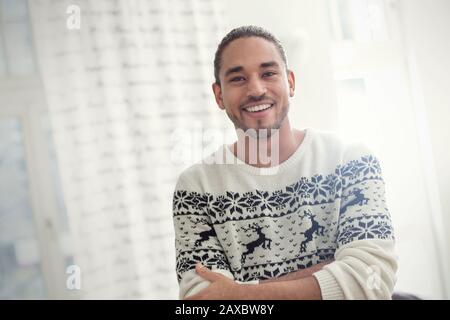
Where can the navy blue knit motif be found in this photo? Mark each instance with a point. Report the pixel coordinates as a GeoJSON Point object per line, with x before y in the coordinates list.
{"type": "Point", "coordinates": [293, 226]}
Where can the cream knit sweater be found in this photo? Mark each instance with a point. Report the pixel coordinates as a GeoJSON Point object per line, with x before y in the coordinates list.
{"type": "Point", "coordinates": [327, 200]}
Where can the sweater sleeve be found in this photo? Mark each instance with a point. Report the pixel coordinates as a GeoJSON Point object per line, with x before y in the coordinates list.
{"type": "Point", "coordinates": [365, 260]}
{"type": "Point", "coordinates": [195, 239]}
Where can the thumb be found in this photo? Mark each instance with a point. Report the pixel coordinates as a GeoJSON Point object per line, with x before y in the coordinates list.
{"type": "Point", "coordinates": [206, 273]}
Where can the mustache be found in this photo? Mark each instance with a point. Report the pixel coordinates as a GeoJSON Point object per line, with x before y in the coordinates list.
{"type": "Point", "coordinates": [262, 97]}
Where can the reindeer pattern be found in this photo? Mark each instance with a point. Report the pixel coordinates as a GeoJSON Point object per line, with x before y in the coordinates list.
{"type": "Point", "coordinates": [261, 234]}
{"type": "Point", "coordinates": [203, 236]}
{"type": "Point", "coordinates": [308, 229]}
{"type": "Point", "coordinates": [357, 198]}
{"type": "Point", "coordinates": [315, 229]}
{"type": "Point", "coordinates": [262, 241]}
{"type": "Point", "coordinates": [288, 236]}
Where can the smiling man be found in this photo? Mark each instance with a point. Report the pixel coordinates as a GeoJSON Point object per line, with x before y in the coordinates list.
{"type": "Point", "coordinates": [299, 214]}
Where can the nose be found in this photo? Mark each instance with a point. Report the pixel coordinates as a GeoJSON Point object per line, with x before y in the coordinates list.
{"type": "Point", "coordinates": [255, 88]}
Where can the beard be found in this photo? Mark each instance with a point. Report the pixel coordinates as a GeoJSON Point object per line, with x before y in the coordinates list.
{"type": "Point", "coordinates": [261, 130]}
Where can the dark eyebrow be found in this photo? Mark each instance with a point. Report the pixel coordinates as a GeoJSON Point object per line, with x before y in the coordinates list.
{"type": "Point", "coordinates": [240, 68]}
{"type": "Point", "coordinates": [268, 64]}
{"type": "Point", "coordinates": [233, 70]}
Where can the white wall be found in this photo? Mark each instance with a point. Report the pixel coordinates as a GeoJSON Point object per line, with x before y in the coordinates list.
{"type": "Point", "coordinates": [426, 27]}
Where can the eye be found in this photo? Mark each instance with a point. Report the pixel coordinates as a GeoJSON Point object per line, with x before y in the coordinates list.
{"type": "Point", "coordinates": [236, 79]}
{"type": "Point", "coordinates": [269, 74]}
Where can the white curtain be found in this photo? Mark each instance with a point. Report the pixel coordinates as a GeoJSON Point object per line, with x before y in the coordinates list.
{"type": "Point", "coordinates": [117, 88]}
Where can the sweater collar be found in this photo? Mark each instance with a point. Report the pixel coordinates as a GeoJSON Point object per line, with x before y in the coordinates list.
{"type": "Point", "coordinates": [285, 165]}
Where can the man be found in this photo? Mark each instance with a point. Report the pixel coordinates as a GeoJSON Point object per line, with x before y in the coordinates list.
{"type": "Point", "coordinates": [309, 221]}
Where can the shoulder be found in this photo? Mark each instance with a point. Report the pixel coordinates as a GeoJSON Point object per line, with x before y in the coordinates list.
{"type": "Point", "coordinates": [195, 176]}
{"type": "Point", "coordinates": [353, 159]}
{"type": "Point", "coordinates": [329, 142]}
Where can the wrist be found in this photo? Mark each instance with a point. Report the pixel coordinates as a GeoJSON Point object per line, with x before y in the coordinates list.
{"type": "Point", "coordinates": [240, 292]}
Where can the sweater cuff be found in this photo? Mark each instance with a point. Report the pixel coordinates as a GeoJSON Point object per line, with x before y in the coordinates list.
{"type": "Point", "coordinates": [329, 287]}
{"type": "Point", "coordinates": [248, 282]}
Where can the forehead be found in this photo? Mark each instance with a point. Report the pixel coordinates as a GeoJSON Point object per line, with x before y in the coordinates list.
{"type": "Point", "coordinates": [249, 53]}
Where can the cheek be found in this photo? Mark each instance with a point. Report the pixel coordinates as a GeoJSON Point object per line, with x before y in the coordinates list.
{"type": "Point", "coordinates": [279, 89]}
{"type": "Point", "coordinates": [232, 99]}
{"type": "Point", "coordinates": [284, 92]}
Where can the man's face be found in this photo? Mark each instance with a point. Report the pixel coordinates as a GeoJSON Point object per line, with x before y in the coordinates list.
{"type": "Point", "coordinates": [253, 76]}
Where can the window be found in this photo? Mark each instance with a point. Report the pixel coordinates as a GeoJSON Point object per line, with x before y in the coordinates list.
{"type": "Point", "coordinates": [359, 20]}
{"type": "Point", "coordinates": [16, 50]}
{"type": "Point", "coordinates": [353, 109]}
{"type": "Point", "coordinates": [366, 57]}
{"type": "Point", "coordinates": [375, 106]}
{"type": "Point", "coordinates": [35, 247]}
{"type": "Point", "coordinates": [20, 269]}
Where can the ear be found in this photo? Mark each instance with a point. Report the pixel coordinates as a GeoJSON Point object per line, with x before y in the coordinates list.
{"type": "Point", "coordinates": [218, 95]}
{"type": "Point", "coordinates": [291, 82]}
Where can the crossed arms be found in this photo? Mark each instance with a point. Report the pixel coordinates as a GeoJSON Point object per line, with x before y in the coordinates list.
{"type": "Point", "coordinates": [298, 285]}
{"type": "Point", "coordinates": [363, 269]}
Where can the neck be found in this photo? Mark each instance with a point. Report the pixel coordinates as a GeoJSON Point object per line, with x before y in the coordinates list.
{"type": "Point", "coordinates": [267, 152]}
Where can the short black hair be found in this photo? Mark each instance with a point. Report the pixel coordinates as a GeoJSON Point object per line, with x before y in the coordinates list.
{"type": "Point", "coordinates": [245, 32]}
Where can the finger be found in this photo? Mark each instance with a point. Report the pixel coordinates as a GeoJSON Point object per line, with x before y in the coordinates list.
{"type": "Point", "coordinates": [207, 274]}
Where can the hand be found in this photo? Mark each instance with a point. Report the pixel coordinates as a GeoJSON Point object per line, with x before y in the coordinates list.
{"type": "Point", "coordinates": [221, 287]}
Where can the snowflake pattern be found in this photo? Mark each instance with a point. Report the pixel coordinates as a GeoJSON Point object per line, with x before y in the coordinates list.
{"type": "Point", "coordinates": [311, 191]}
{"type": "Point", "coordinates": [367, 227]}
{"type": "Point", "coordinates": [314, 192]}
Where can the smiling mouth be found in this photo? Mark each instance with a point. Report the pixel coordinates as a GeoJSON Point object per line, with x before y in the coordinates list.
{"type": "Point", "coordinates": [258, 108]}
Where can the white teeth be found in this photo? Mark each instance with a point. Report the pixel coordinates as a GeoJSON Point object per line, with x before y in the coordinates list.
{"type": "Point", "coordinates": [258, 108]}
